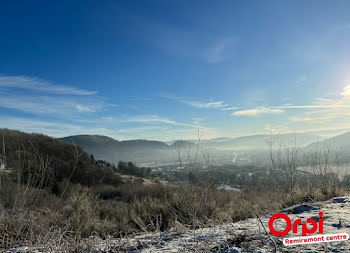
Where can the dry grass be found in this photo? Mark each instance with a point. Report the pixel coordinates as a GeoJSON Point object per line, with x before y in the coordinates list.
{"type": "Point", "coordinates": [58, 223]}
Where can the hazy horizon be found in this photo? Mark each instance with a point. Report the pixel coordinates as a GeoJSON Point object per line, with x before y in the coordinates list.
{"type": "Point", "coordinates": [321, 133]}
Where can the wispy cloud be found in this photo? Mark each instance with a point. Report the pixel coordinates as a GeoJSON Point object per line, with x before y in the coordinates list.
{"type": "Point", "coordinates": [202, 104]}
{"type": "Point", "coordinates": [311, 106]}
{"type": "Point", "coordinates": [220, 50]}
{"type": "Point", "coordinates": [157, 119]}
{"type": "Point", "coordinates": [346, 91]}
{"type": "Point", "coordinates": [257, 111]}
{"type": "Point", "coordinates": [323, 100]}
{"type": "Point", "coordinates": [211, 47]}
{"type": "Point", "coordinates": [40, 97]}
{"type": "Point", "coordinates": [84, 108]}
{"type": "Point", "coordinates": [36, 84]}
{"type": "Point", "coordinates": [153, 125]}
{"type": "Point", "coordinates": [150, 119]}
{"type": "Point", "coordinates": [56, 106]}
{"type": "Point", "coordinates": [230, 108]}
{"type": "Point", "coordinates": [331, 107]}
{"type": "Point", "coordinates": [342, 102]}
{"type": "Point", "coordinates": [325, 110]}
{"type": "Point", "coordinates": [313, 119]}
{"type": "Point", "coordinates": [210, 104]}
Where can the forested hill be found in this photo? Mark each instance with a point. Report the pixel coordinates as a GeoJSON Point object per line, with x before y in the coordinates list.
{"type": "Point", "coordinates": [33, 151]}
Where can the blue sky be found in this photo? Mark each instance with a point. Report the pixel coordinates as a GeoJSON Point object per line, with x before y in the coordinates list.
{"type": "Point", "coordinates": [163, 69]}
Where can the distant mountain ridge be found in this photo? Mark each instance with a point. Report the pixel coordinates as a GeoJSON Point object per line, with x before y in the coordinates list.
{"type": "Point", "coordinates": [260, 142]}
{"type": "Point", "coordinates": [106, 148]}
{"type": "Point", "coordinates": [341, 141]}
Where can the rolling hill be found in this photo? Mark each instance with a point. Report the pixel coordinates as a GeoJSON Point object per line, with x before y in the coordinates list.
{"type": "Point", "coordinates": [259, 142]}
{"type": "Point", "coordinates": [144, 151]}
{"type": "Point", "coordinates": [38, 150]}
{"type": "Point", "coordinates": [339, 142]}
{"type": "Point", "coordinates": [106, 148]}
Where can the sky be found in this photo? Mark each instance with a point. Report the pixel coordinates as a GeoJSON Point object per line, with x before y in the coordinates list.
{"type": "Point", "coordinates": [164, 69]}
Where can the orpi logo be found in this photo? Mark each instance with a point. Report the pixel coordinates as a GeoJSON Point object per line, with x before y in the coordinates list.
{"type": "Point", "coordinates": [305, 230]}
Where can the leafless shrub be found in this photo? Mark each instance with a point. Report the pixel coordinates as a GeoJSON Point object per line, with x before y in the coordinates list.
{"type": "Point", "coordinates": [29, 218]}
{"type": "Point", "coordinates": [284, 161]}
{"type": "Point", "coordinates": [325, 165]}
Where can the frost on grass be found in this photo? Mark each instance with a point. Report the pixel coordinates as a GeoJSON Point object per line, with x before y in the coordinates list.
{"type": "Point", "coordinates": [244, 236]}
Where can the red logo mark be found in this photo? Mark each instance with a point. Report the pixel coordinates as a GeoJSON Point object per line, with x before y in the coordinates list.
{"type": "Point", "coordinates": [304, 229]}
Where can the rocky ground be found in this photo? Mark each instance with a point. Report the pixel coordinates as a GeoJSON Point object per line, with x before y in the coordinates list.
{"type": "Point", "coordinates": [245, 236]}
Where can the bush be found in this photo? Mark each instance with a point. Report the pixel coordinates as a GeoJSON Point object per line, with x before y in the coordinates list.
{"type": "Point", "coordinates": [80, 212]}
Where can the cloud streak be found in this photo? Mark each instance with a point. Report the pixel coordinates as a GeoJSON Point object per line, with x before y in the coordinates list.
{"type": "Point", "coordinates": [330, 107]}
{"type": "Point", "coordinates": [55, 106]}
{"type": "Point", "coordinates": [157, 119]}
{"type": "Point", "coordinates": [211, 104]}
{"type": "Point", "coordinates": [36, 84]}
{"type": "Point", "coordinates": [43, 98]}
{"type": "Point", "coordinates": [346, 91]}
{"type": "Point", "coordinates": [232, 108]}
{"type": "Point", "coordinates": [200, 104]}
{"type": "Point", "coordinates": [312, 106]}
{"type": "Point", "coordinates": [257, 111]}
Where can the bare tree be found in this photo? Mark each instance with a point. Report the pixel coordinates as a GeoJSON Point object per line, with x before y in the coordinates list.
{"type": "Point", "coordinates": [192, 158]}
{"type": "Point", "coordinates": [206, 153]}
{"type": "Point", "coordinates": [325, 164]}
{"type": "Point", "coordinates": [284, 161]}
{"type": "Point", "coordinates": [76, 156]}
{"type": "Point", "coordinates": [178, 150]}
